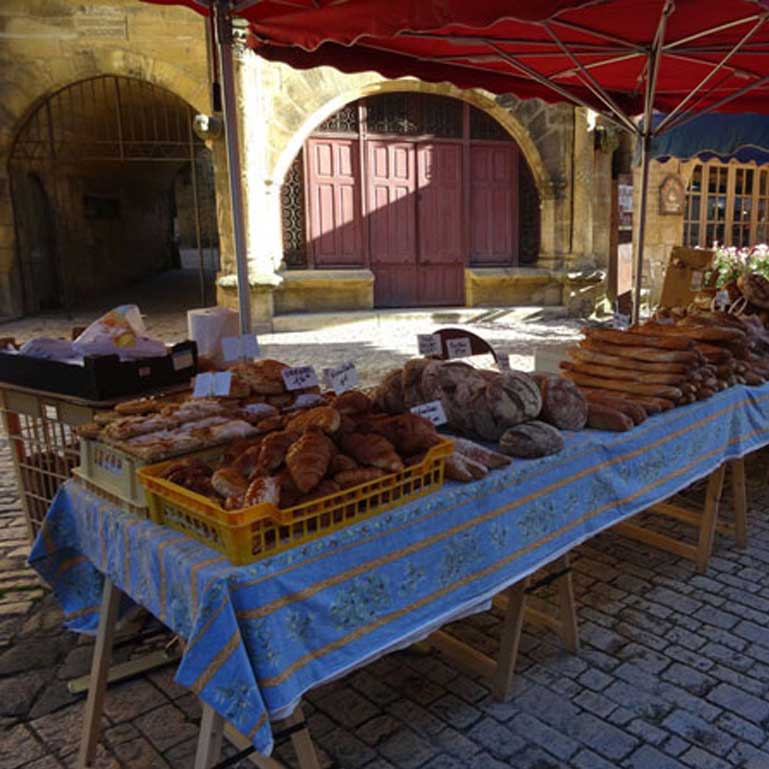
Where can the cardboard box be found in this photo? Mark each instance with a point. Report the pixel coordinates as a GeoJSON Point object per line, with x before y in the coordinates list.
{"type": "Point", "coordinates": [685, 275]}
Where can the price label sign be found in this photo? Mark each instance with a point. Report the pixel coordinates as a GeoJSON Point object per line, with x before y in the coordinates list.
{"type": "Point", "coordinates": [503, 362]}
{"type": "Point", "coordinates": [299, 378]}
{"type": "Point", "coordinates": [432, 411]}
{"type": "Point", "coordinates": [459, 348]}
{"type": "Point", "coordinates": [429, 344]}
{"type": "Point", "coordinates": [182, 359]}
{"type": "Point", "coordinates": [723, 300]}
{"type": "Point", "coordinates": [341, 379]}
{"type": "Point", "coordinates": [240, 347]}
{"type": "Point", "coordinates": [620, 321]}
{"type": "Point", "coordinates": [212, 384]}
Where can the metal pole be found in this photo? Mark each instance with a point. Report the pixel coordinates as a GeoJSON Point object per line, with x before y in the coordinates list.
{"type": "Point", "coordinates": [196, 204]}
{"type": "Point", "coordinates": [637, 278]}
{"type": "Point", "coordinates": [223, 23]}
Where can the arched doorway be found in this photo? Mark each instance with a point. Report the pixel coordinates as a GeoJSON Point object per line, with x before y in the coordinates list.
{"type": "Point", "coordinates": [129, 187]}
{"type": "Point", "coordinates": [415, 187]}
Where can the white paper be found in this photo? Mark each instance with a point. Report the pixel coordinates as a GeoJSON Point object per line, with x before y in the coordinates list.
{"type": "Point", "coordinates": [300, 378]}
{"type": "Point", "coordinates": [620, 321]}
{"type": "Point", "coordinates": [722, 299]}
{"type": "Point", "coordinates": [429, 344]}
{"type": "Point", "coordinates": [342, 378]}
{"type": "Point", "coordinates": [204, 386]}
{"type": "Point", "coordinates": [207, 326]}
{"type": "Point", "coordinates": [432, 411]}
{"type": "Point", "coordinates": [459, 348]}
{"type": "Point", "coordinates": [240, 347]}
{"type": "Point", "coordinates": [222, 383]}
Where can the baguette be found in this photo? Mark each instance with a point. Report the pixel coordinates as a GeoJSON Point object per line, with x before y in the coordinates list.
{"type": "Point", "coordinates": [647, 377]}
{"type": "Point", "coordinates": [655, 390]}
{"type": "Point", "coordinates": [696, 332]}
{"type": "Point", "coordinates": [601, 417]}
{"type": "Point", "coordinates": [636, 338]}
{"type": "Point", "coordinates": [643, 353]}
{"type": "Point", "coordinates": [633, 410]}
{"type": "Point", "coordinates": [713, 353]}
{"type": "Point", "coordinates": [617, 361]}
{"type": "Point", "coordinates": [651, 404]}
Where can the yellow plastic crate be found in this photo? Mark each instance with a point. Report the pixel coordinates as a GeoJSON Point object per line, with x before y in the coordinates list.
{"type": "Point", "coordinates": [263, 530]}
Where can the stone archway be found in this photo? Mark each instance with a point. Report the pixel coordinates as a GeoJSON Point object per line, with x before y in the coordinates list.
{"type": "Point", "coordinates": [107, 152]}
{"type": "Point", "coordinates": [22, 96]}
{"type": "Point", "coordinates": [476, 98]}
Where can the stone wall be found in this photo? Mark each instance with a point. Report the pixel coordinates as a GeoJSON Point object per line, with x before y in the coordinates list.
{"type": "Point", "coordinates": [663, 231]}
{"type": "Point", "coordinates": [49, 44]}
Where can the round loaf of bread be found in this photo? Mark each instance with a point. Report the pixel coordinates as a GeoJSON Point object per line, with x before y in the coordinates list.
{"type": "Point", "coordinates": [563, 405]}
{"type": "Point", "coordinates": [522, 390]}
{"type": "Point", "coordinates": [531, 440]}
{"type": "Point", "coordinates": [755, 288]}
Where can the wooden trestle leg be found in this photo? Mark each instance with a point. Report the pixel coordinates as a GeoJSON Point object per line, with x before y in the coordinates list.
{"type": "Point", "coordinates": [102, 654]}
{"type": "Point", "coordinates": [213, 728]}
{"type": "Point", "coordinates": [705, 521]}
{"type": "Point", "coordinates": [514, 602]}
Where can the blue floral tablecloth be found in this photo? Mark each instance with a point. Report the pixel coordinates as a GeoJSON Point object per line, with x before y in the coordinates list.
{"type": "Point", "coordinates": [260, 636]}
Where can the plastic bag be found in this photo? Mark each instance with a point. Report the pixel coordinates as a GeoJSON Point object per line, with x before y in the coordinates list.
{"type": "Point", "coordinates": [52, 349]}
{"type": "Point", "coordinates": [119, 332]}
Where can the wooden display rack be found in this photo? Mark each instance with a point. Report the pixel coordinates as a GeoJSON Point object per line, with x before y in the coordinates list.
{"type": "Point", "coordinates": [518, 605]}
{"type": "Point", "coordinates": [705, 521]}
{"type": "Point", "coordinates": [212, 726]}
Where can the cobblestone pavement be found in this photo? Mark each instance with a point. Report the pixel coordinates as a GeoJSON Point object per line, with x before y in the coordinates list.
{"type": "Point", "coordinates": [673, 672]}
{"type": "Point", "coordinates": [375, 345]}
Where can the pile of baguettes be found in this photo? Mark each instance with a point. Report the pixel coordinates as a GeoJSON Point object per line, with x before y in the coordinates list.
{"type": "Point", "coordinates": [667, 362]}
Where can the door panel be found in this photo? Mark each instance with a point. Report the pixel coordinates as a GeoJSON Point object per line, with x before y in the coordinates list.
{"type": "Point", "coordinates": [493, 206]}
{"type": "Point", "coordinates": [439, 206]}
{"type": "Point", "coordinates": [392, 222]}
{"type": "Point", "coordinates": [334, 226]}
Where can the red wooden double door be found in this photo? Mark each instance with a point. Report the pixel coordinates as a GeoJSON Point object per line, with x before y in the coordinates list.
{"type": "Point", "coordinates": [427, 212]}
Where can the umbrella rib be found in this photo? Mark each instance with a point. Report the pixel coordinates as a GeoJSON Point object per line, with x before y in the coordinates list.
{"type": "Point", "coordinates": [591, 82]}
{"type": "Point", "coordinates": [712, 72]}
{"type": "Point", "coordinates": [713, 30]}
{"type": "Point", "coordinates": [596, 64]}
{"type": "Point", "coordinates": [586, 48]}
{"type": "Point", "coordinates": [542, 80]}
{"type": "Point", "coordinates": [596, 33]}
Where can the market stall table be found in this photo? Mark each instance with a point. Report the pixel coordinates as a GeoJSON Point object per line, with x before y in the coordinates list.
{"type": "Point", "coordinates": [260, 636]}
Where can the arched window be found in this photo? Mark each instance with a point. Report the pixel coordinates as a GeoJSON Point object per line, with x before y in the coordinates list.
{"type": "Point", "coordinates": [415, 187]}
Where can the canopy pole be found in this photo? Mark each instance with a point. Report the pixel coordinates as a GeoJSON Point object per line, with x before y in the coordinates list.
{"type": "Point", "coordinates": [638, 277]}
{"type": "Point", "coordinates": [224, 45]}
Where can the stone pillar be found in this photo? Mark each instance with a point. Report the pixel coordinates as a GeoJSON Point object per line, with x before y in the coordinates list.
{"type": "Point", "coordinates": [582, 225]}
{"type": "Point", "coordinates": [602, 193]}
{"type": "Point", "coordinates": [261, 202]}
{"type": "Point", "coordinates": [10, 299]}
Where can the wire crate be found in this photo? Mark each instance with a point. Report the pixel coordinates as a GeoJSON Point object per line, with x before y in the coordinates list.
{"type": "Point", "coordinates": [44, 446]}
{"type": "Point", "coordinates": [263, 530]}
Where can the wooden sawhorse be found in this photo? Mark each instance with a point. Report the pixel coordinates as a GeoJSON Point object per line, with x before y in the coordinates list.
{"type": "Point", "coordinates": [212, 725]}
{"type": "Point", "coordinates": [518, 605]}
{"type": "Point", "coordinates": [706, 521]}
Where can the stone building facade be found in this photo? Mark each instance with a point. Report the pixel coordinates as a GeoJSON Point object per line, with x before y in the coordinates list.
{"type": "Point", "coordinates": [49, 45]}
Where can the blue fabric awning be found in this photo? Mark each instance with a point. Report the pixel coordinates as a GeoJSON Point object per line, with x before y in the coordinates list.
{"type": "Point", "coordinates": [724, 136]}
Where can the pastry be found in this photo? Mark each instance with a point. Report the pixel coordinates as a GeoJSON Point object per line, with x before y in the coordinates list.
{"type": "Point", "coordinates": [388, 396]}
{"type": "Point", "coordinates": [262, 490]}
{"type": "Point", "coordinates": [326, 418]}
{"type": "Point", "coordinates": [342, 462]}
{"type": "Point", "coordinates": [234, 428]}
{"type": "Point", "coordinates": [228, 482]}
{"type": "Point", "coordinates": [478, 453]}
{"type": "Point", "coordinates": [308, 459]}
{"type": "Point", "coordinates": [270, 423]}
{"type": "Point", "coordinates": [138, 406]}
{"type": "Point", "coordinates": [352, 402]}
{"type": "Point", "coordinates": [263, 376]}
{"type": "Point", "coordinates": [349, 478]}
{"type": "Point", "coordinates": [409, 433]}
{"type": "Point", "coordinates": [274, 447]}
{"type": "Point", "coordinates": [373, 450]}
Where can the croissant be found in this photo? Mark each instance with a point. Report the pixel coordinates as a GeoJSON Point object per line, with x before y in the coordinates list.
{"type": "Point", "coordinates": [308, 459]}
{"type": "Point", "coordinates": [289, 493]}
{"type": "Point", "coordinates": [348, 478]}
{"type": "Point", "coordinates": [323, 489]}
{"type": "Point", "coordinates": [326, 418]}
{"type": "Point", "coordinates": [247, 461]}
{"type": "Point", "coordinates": [263, 490]}
{"type": "Point", "coordinates": [372, 449]}
{"type": "Point", "coordinates": [342, 462]}
{"type": "Point", "coordinates": [274, 448]}
{"type": "Point", "coordinates": [409, 433]}
{"type": "Point", "coordinates": [352, 402]}
{"type": "Point", "coordinates": [268, 424]}
{"type": "Point", "coordinates": [228, 482]}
